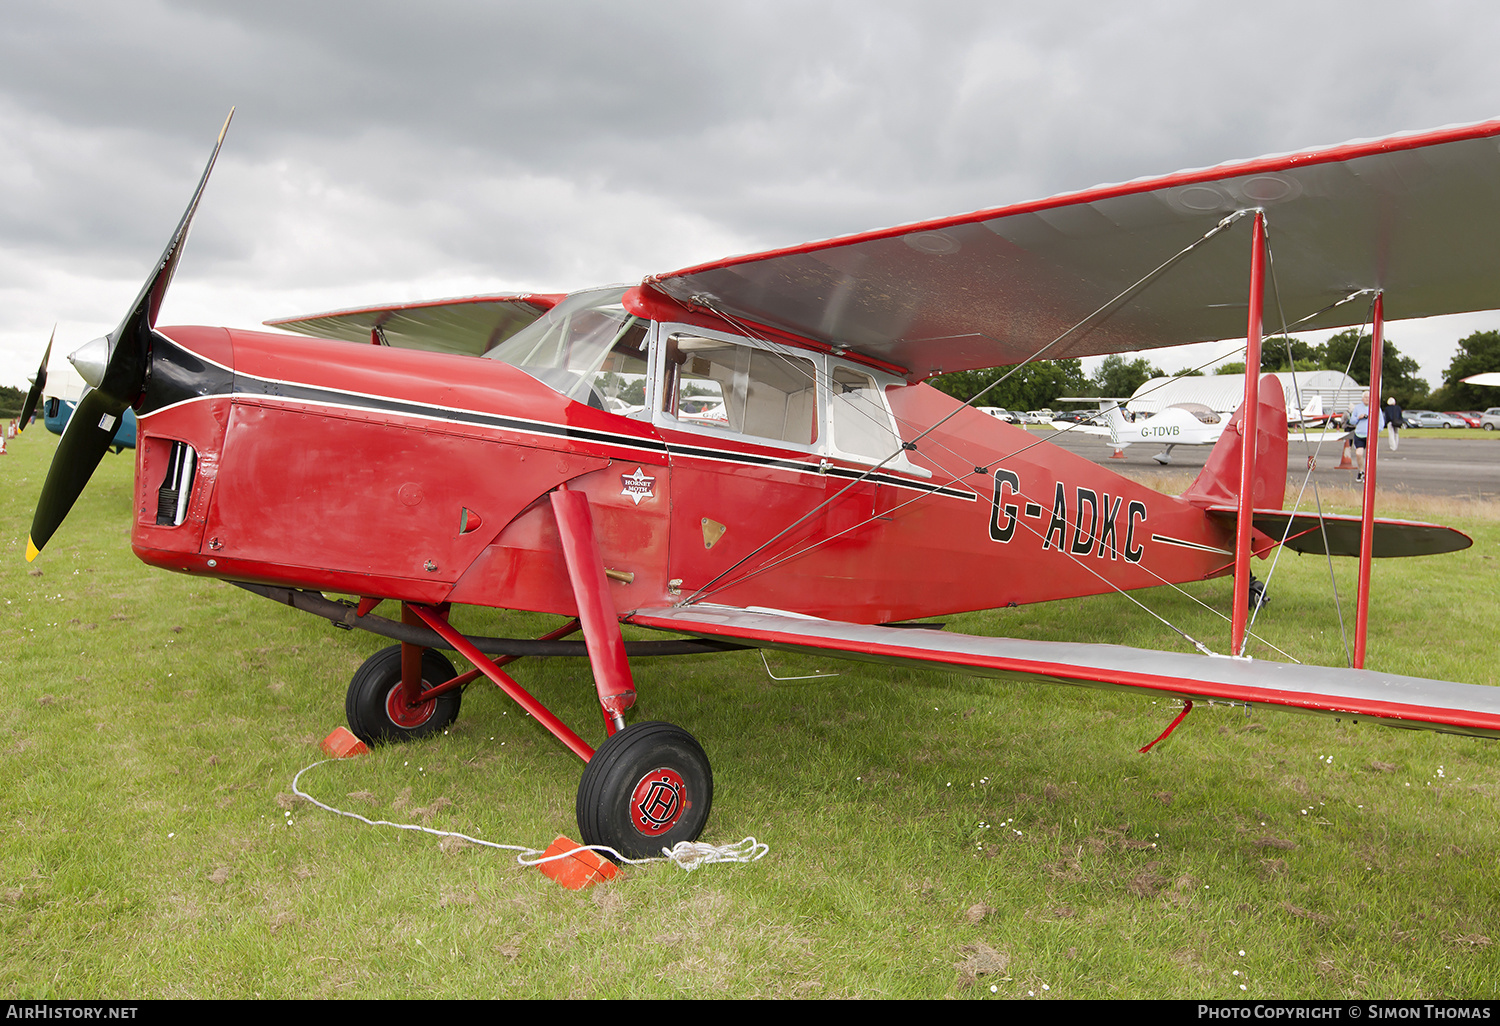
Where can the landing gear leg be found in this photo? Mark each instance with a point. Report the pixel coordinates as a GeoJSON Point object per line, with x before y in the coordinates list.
{"type": "Point", "coordinates": [649, 785]}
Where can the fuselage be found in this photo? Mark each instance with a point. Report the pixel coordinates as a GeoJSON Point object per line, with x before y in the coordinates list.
{"type": "Point", "coordinates": [831, 488]}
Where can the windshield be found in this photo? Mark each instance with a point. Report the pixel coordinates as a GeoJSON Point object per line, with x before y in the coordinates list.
{"type": "Point", "coordinates": [587, 347]}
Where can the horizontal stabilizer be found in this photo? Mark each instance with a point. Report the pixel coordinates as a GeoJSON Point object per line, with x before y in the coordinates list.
{"type": "Point", "coordinates": [472, 325]}
{"type": "Point", "coordinates": [1303, 533]}
{"type": "Point", "coordinates": [1388, 698]}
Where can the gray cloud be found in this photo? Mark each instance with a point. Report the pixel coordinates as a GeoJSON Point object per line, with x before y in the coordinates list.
{"type": "Point", "coordinates": [385, 151]}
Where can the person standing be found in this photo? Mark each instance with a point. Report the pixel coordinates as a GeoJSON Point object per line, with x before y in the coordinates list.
{"type": "Point", "coordinates": [1360, 417]}
{"type": "Point", "coordinates": [1393, 422]}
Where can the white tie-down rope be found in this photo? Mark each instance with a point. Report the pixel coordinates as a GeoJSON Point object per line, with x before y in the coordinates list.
{"type": "Point", "coordinates": [690, 855]}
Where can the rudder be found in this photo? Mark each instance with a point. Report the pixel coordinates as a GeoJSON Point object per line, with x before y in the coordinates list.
{"type": "Point", "coordinates": [1218, 484]}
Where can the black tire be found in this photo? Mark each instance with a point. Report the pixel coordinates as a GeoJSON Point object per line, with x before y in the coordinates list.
{"type": "Point", "coordinates": [646, 788]}
{"type": "Point", "coordinates": [1258, 595]}
{"type": "Point", "coordinates": [370, 704]}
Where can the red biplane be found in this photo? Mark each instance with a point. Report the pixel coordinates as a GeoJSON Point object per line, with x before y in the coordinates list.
{"type": "Point", "coordinates": [556, 454]}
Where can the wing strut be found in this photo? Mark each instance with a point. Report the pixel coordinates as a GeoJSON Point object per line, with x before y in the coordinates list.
{"type": "Point", "coordinates": [1367, 512]}
{"type": "Point", "coordinates": [601, 627]}
{"type": "Point", "coordinates": [1249, 424]}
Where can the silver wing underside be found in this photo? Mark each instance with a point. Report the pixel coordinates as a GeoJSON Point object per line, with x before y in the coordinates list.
{"type": "Point", "coordinates": [1415, 215]}
{"type": "Point", "coordinates": [1387, 698]}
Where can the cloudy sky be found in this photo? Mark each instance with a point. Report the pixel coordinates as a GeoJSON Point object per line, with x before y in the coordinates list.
{"type": "Point", "coordinates": [395, 151]}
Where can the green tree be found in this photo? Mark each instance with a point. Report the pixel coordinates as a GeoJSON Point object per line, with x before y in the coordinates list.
{"type": "Point", "coordinates": [1119, 380]}
{"type": "Point", "coordinates": [1033, 387]}
{"type": "Point", "coordinates": [1398, 374]}
{"type": "Point", "coordinates": [1478, 353]}
{"type": "Point", "coordinates": [1304, 356]}
{"type": "Point", "coordinates": [11, 401]}
{"type": "Point", "coordinates": [1230, 368]}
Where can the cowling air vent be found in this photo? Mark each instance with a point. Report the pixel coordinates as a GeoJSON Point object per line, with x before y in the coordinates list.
{"type": "Point", "coordinates": [177, 487]}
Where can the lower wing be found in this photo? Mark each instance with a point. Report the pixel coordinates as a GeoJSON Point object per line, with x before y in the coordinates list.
{"type": "Point", "coordinates": [1387, 698]}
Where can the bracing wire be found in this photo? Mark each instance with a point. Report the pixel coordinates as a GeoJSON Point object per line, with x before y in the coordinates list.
{"type": "Point", "coordinates": [1101, 313]}
{"type": "Point", "coordinates": [1091, 321]}
{"type": "Point", "coordinates": [1307, 476]}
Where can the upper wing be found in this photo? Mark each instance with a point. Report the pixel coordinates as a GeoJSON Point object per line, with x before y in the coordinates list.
{"type": "Point", "coordinates": [1385, 697]}
{"type": "Point", "coordinates": [472, 325]}
{"type": "Point", "coordinates": [1412, 214]}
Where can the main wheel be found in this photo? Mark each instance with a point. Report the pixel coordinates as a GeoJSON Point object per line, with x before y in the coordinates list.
{"type": "Point", "coordinates": [646, 788]}
{"type": "Point", "coordinates": [1258, 595]}
{"type": "Point", "coordinates": [376, 709]}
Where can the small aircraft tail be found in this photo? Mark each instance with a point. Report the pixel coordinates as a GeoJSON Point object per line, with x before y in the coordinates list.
{"type": "Point", "coordinates": [1219, 482]}
{"type": "Point", "coordinates": [1314, 408]}
{"type": "Point", "coordinates": [1110, 408]}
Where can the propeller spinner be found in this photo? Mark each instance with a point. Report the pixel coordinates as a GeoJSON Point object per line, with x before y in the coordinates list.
{"type": "Point", "coordinates": [122, 378]}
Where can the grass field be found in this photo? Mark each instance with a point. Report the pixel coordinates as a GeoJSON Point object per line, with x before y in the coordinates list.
{"type": "Point", "coordinates": [931, 835]}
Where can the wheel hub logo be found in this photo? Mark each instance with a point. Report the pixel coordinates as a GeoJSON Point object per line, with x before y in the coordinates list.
{"type": "Point", "coordinates": [659, 801]}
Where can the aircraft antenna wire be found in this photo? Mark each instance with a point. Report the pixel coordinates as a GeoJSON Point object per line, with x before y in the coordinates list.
{"type": "Point", "coordinates": [1098, 316]}
{"type": "Point", "coordinates": [1160, 579]}
{"type": "Point", "coordinates": [689, 855]}
{"type": "Point", "coordinates": [1104, 311]}
{"type": "Point", "coordinates": [1101, 313]}
{"type": "Point", "coordinates": [1142, 395]}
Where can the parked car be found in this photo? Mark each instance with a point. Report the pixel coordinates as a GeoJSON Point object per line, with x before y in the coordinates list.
{"type": "Point", "coordinates": [1429, 419]}
{"type": "Point", "coordinates": [1490, 418]}
{"type": "Point", "coordinates": [1000, 413]}
{"type": "Point", "coordinates": [1469, 417]}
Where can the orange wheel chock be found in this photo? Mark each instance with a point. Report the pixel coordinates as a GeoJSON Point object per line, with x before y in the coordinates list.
{"type": "Point", "coordinates": [343, 745]}
{"type": "Point", "coordinates": [580, 870]}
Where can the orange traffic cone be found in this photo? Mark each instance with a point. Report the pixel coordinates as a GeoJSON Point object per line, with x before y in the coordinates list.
{"type": "Point", "coordinates": [1346, 462]}
{"type": "Point", "coordinates": [1119, 454]}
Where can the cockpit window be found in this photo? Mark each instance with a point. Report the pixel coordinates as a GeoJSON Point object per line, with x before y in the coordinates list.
{"type": "Point", "coordinates": [718, 384]}
{"type": "Point", "coordinates": [1203, 413]}
{"type": "Point", "coordinates": [587, 347]}
{"type": "Point", "coordinates": [861, 425]}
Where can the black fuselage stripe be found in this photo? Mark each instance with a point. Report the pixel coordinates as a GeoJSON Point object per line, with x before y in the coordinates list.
{"type": "Point", "coordinates": [251, 385]}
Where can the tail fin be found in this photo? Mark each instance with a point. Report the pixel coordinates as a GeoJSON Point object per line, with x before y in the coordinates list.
{"type": "Point", "coordinates": [1314, 408]}
{"type": "Point", "coordinates": [1219, 482]}
{"type": "Point", "coordinates": [1114, 418]}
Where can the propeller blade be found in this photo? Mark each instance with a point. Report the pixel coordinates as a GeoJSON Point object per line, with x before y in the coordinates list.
{"type": "Point", "coordinates": [130, 343]}
{"type": "Point", "coordinates": [37, 386]}
{"type": "Point", "coordinates": [88, 436]}
{"type": "Point", "coordinates": [91, 430]}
